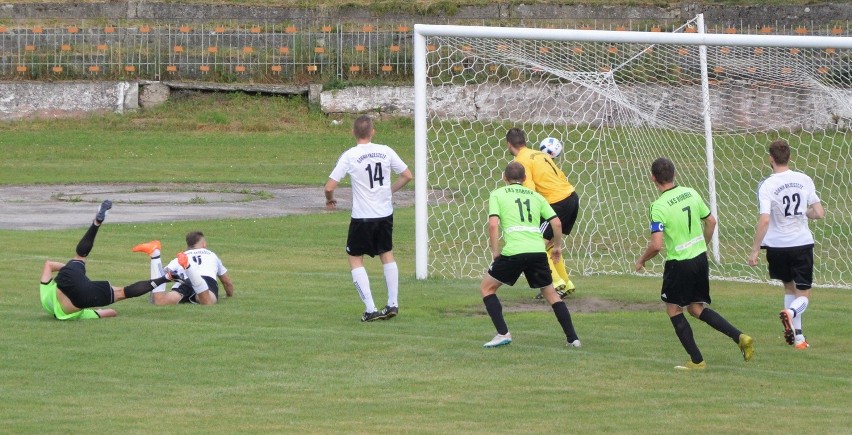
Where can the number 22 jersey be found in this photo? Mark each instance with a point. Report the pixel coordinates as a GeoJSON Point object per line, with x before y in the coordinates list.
{"type": "Point", "coordinates": [785, 197]}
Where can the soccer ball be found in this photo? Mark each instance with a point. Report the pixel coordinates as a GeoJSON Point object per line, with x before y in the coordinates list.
{"type": "Point", "coordinates": [551, 146]}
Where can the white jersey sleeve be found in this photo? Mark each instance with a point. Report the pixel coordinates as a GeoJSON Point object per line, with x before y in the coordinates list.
{"type": "Point", "coordinates": [785, 197]}
{"type": "Point", "coordinates": [369, 166]}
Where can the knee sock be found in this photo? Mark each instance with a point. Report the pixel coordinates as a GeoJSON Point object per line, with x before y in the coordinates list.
{"type": "Point", "coordinates": [362, 284]}
{"type": "Point", "coordinates": [684, 333]}
{"type": "Point", "coordinates": [798, 306]}
{"type": "Point", "coordinates": [719, 323]}
{"type": "Point", "coordinates": [495, 311]}
{"type": "Point", "coordinates": [788, 299]}
{"type": "Point", "coordinates": [84, 247]}
{"type": "Point", "coordinates": [554, 273]}
{"type": "Point", "coordinates": [157, 270]}
{"type": "Point", "coordinates": [564, 317]}
{"type": "Point", "coordinates": [141, 287]}
{"type": "Point", "coordinates": [392, 281]}
{"type": "Point", "coordinates": [196, 280]}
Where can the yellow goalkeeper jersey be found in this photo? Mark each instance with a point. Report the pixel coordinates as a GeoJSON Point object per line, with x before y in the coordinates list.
{"type": "Point", "coordinates": [544, 176]}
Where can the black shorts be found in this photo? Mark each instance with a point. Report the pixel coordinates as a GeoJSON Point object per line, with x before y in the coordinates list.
{"type": "Point", "coordinates": [83, 292]}
{"type": "Point", "coordinates": [567, 211]}
{"type": "Point", "coordinates": [686, 281]}
{"type": "Point", "coordinates": [188, 293]}
{"type": "Point", "coordinates": [534, 266]}
{"type": "Point", "coordinates": [370, 236]}
{"type": "Point", "coordinates": [792, 264]}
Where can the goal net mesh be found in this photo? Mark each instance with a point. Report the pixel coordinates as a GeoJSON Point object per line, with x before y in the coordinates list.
{"type": "Point", "coordinates": [616, 108]}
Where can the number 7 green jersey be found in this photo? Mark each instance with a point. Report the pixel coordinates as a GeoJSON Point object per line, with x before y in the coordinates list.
{"type": "Point", "coordinates": [521, 211]}
{"type": "Point", "coordinates": [678, 213]}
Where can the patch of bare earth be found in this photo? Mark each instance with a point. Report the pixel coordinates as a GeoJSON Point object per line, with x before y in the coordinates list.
{"type": "Point", "coordinates": [583, 304]}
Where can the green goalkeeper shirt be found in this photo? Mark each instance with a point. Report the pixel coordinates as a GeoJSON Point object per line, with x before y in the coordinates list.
{"type": "Point", "coordinates": [678, 213]}
{"type": "Point", "coordinates": [520, 210]}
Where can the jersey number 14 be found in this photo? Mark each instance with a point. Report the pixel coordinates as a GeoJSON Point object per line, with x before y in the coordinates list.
{"type": "Point", "coordinates": [375, 175]}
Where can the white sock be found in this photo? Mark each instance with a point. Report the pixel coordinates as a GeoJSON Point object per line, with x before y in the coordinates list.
{"type": "Point", "coordinates": [157, 270]}
{"type": "Point", "coordinates": [799, 306]}
{"type": "Point", "coordinates": [362, 284]}
{"type": "Point", "coordinates": [392, 281]}
{"type": "Point", "coordinates": [199, 285]}
{"type": "Point", "coordinates": [788, 299]}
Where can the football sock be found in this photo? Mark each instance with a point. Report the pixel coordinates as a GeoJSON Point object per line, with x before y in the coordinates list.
{"type": "Point", "coordinates": [84, 246]}
{"type": "Point", "coordinates": [799, 305]}
{"type": "Point", "coordinates": [684, 333]}
{"type": "Point", "coordinates": [362, 284]}
{"type": "Point", "coordinates": [788, 299]}
{"type": "Point", "coordinates": [199, 285]}
{"type": "Point", "coordinates": [141, 287]}
{"type": "Point", "coordinates": [157, 270]}
{"type": "Point", "coordinates": [564, 317]}
{"type": "Point", "coordinates": [719, 323]}
{"type": "Point", "coordinates": [392, 281]}
{"type": "Point", "coordinates": [495, 311]}
{"type": "Point", "coordinates": [563, 273]}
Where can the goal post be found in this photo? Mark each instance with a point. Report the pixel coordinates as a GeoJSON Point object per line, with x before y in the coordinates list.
{"type": "Point", "coordinates": [618, 100]}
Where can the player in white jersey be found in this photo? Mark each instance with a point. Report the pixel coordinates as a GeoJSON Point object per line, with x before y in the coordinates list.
{"type": "Point", "coordinates": [786, 200]}
{"type": "Point", "coordinates": [369, 167]}
{"type": "Point", "coordinates": [196, 270]}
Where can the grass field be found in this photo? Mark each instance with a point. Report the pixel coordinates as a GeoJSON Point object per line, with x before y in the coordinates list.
{"type": "Point", "coordinates": [288, 354]}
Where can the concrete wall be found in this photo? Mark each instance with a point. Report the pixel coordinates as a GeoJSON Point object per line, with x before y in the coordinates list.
{"type": "Point", "coordinates": [771, 106]}
{"type": "Point", "coordinates": [26, 99]}
{"type": "Point", "coordinates": [755, 15]}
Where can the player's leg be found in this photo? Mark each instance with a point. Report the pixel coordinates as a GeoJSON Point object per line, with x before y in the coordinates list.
{"type": "Point", "coordinates": [384, 245]}
{"type": "Point", "coordinates": [359, 242]}
{"type": "Point", "coordinates": [781, 266]}
{"type": "Point", "coordinates": [802, 270]}
{"type": "Point", "coordinates": [503, 270]}
{"type": "Point", "coordinates": [85, 245]}
{"type": "Point", "coordinates": [203, 295]}
{"type": "Point", "coordinates": [676, 293]}
{"type": "Point", "coordinates": [567, 210]}
{"type": "Point", "coordinates": [558, 283]}
{"type": "Point", "coordinates": [539, 276]}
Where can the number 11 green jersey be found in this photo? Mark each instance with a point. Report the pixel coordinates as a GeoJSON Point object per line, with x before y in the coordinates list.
{"type": "Point", "coordinates": [520, 210]}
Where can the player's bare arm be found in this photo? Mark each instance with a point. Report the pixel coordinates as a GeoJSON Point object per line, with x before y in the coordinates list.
{"type": "Point", "coordinates": [709, 228]}
{"type": "Point", "coordinates": [330, 202]}
{"type": "Point", "coordinates": [815, 211]}
{"type": "Point", "coordinates": [494, 235]}
{"type": "Point", "coordinates": [655, 245]}
{"type": "Point", "coordinates": [556, 252]}
{"type": "Point", "coordinates": [227, 283]}
{"type": "Point", "coordinates": [759, 234]}
{"type": "Point", "coordinates": [403, 179]}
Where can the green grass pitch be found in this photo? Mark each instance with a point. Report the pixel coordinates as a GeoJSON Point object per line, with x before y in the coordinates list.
{"type": "Point", "coordinates": [288, 353]}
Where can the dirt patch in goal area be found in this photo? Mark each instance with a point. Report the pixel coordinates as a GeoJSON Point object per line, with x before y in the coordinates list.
{"type": "Point", "coordinates": [51, 206]}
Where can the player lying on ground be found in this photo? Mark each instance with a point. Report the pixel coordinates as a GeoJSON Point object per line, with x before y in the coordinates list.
{"type": "Point", "coordinates": [72, 295]}
{"type": "Point", "coordinates": [198, 269]}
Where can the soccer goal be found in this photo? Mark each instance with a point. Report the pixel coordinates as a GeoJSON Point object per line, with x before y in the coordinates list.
{"type": "Point", "coordinates": [618, 100]}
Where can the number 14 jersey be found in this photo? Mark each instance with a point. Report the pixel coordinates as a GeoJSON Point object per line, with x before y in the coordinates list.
{"type": "Point", "coordinates": [369, 166]}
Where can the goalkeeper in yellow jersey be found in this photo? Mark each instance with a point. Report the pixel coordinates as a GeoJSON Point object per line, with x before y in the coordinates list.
{"type": "Point", "coordinates": [549, 181]}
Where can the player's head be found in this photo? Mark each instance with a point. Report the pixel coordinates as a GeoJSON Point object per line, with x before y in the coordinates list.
{"type": "Point", "coordinates": [514, 173]}
{"type": "Point", "coordinates": [516, 138]}
{"type": "Point", "coordinates": [780, 152]}
{"type": "Point", "coordinates": [363, 127]}
{"type": "Point", "coordinates": [663, 170]}
{"type": "Point", "coordinates": [195, 239]}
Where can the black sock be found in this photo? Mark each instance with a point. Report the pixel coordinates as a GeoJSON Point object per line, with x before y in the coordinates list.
{"type": "Point", "coordinates": [564, 317]}
{"type": "Point", "coordinates": [684, 333]}
{"type": "Point", "coordinates": [140, 288]}
{"type": "Point", "coordinates": [495, 310]}
{"type": "Point", "coordinates": [159, 281]}
{"type": "Point", "coordinates": [719, 323]}
{"type": "Point", "coordinates": [84, 247]}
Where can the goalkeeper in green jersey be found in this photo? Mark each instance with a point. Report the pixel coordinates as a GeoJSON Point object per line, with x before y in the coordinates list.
{"type": "Point", "coordinates": [680, 217]}
{"type": "Point", "coordinates": [71, 295]}
{"type": "Point", "coordinates": [516, 211]}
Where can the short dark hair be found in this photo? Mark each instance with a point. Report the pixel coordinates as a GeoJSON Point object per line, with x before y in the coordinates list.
{"type": "Point", "coordinates": [363, 127]}
{"type": "Point", "coordinates": [515, 173]}
{"type": "Point", "coordinates": [780, 151]}
{"type": "Point", "coordinates": [663, 170]}
{"type": "Point", "coordinates": [516, 137]}
{"type": "Point", "coordinates": [193, 237]}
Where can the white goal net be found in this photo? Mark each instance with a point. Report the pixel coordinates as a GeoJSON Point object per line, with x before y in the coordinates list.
{"type": "Point", "coordinates": [618, 100]}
